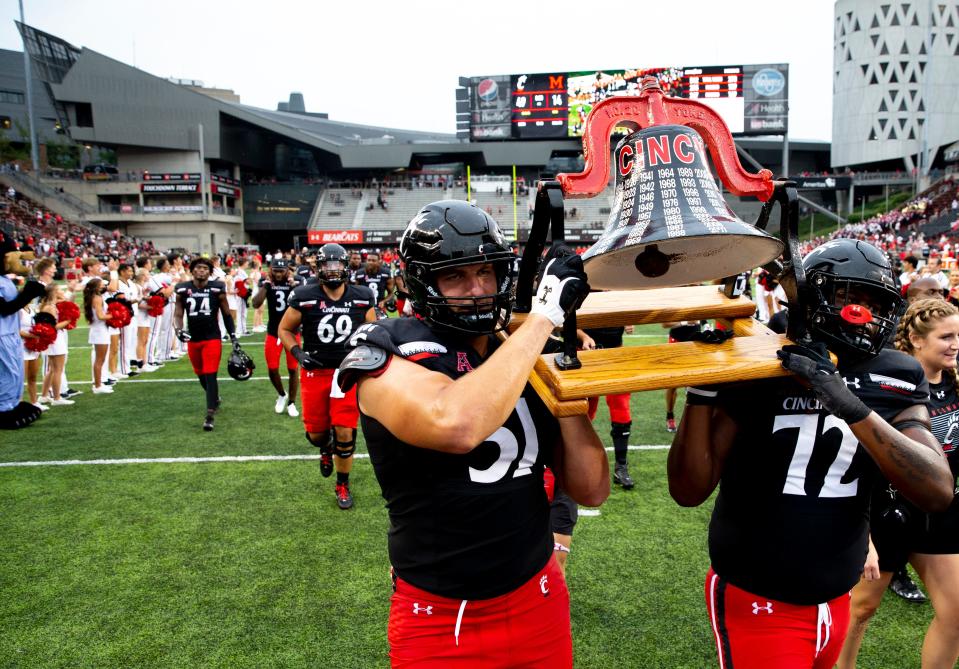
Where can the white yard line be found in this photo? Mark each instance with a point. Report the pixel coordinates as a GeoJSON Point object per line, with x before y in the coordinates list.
{"type": "Point", "coordinates": [216, 458]}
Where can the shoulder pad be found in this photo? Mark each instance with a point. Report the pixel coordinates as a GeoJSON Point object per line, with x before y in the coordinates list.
{"type": "Point", "coordinates": [362, 360]}
{"type": "Point", "coordinates": [371, 334]}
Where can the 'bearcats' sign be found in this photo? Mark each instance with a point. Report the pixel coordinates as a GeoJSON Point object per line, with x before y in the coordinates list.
{"type": "Point", "coordinates": [334, 236]}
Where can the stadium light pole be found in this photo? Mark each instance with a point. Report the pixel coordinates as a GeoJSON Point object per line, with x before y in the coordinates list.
{"type": "Point", "coordinates": [34, 149]}
{"type": "Point", "coordinates": [202, 172]}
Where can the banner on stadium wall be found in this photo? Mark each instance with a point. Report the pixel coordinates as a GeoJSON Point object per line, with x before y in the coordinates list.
{"type": "Point", "coordinates": [173, 209]}
{"type": "Point", "coordinates": [334, 236]}
{"type": "Point", "coordinates": [183, 176]}
{"type": "Point", "coordinates": [229, 191]}
{"type": "Point", "coordinates": [171, 189]}
{"type": "Point", "coordinates": [822, 183]}
{"type": "Point", "coordinates": [224, 180]}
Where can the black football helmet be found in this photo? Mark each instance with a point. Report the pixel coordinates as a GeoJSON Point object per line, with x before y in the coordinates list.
{"type": "Point", "coordinates": [453, 233]}
{"type": "Point", "coordinates": [853, 300]}
{"type": "Point", "coordinates": [331, 264]}
{"type": "Point", "coordinates": [240, 366]}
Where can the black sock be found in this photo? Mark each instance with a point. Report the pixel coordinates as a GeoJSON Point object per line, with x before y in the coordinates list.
{"type": "Point", "coordinates": [212, 392]}
{"type": "Point", "coordinates": [342, 477]}
{"type": "Point", "coordinates": [620, 435]}
{"type": "Point", "coordinates": [669, 414]}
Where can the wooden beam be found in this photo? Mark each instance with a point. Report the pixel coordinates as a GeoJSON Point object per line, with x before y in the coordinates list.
{"type": "Point", "coordinates": [656, 305]}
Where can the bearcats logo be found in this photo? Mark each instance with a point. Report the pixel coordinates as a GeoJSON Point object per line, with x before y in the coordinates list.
{"type": "Point", "coordinates": [544, 586]}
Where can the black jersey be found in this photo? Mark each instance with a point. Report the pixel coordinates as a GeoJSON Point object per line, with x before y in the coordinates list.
{"type": "Point", "coordinates": [607, 337]}
{"type": "Point", "coordinates": [791, 518]}
{"type": "Point", "coordinates": [303, 273]}
{"type": "Point", "coordinates": [469, 526]}
{"type": "Point", "coordinates": [375, 282]}
{"type": "Point", "coordinates": [944, 412]}
{"type": "Point", "coordinates": [201, 306]}
{"type": "Point", "coordinates": [327, 324]}
{"type": "Point", "coordinates": [277, 299]}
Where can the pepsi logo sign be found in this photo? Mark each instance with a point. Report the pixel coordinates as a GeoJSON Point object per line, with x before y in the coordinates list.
{"type": "Point", "coordinates": [768, 82]}
{"type": "Point", "coordinates": [487, 90]}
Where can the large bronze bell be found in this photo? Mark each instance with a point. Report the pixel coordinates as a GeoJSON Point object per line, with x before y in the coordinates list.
{"type": "Point", "coordinates": [669, 224]}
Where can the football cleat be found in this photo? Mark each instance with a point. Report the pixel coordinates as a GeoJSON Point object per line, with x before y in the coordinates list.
{"type": "Point", "coordinates": [326, 463]}
{"type": "Point", "coordinates": [344, 499]}
{"type": "Point", "coordinates": [292, 411]}
{"type": "Point", "coordinates": [208, 423]}
{"type": "Point", "coordinates": [281, 403]}
{"type": "Point", "coordinates": [670, 424]}
{"type": "Point", "coordinates": [903, 585]}
{"type": "Point", "coordinates": [621, 477]}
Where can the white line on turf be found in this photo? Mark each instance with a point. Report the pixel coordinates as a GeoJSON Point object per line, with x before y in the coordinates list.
{"type": "Point", "coordinates": [215, 458]}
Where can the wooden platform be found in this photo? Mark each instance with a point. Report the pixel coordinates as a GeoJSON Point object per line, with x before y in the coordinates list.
{"type": "Point", "coordinates": [657, 305]}
{"type": "Point", "coordinates": [749, 355]}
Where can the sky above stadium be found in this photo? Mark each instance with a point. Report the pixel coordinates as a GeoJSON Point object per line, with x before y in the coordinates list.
{"type": "Point", "coordinates": [396, 64]}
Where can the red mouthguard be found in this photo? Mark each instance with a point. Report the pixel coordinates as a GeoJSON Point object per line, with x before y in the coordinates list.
{"type": "Point", "coordinates": [856, 314]}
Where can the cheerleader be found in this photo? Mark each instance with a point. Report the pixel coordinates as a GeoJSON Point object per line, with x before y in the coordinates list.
{"type": "Point", "coordinates": [255, 275]}
{"type": "Point", "coordinates": [99, 337]}
{"type": "Point", "coordinates": [31, 359]}
{"type": "Point", "coordinates": [143, 320]}
{"type": "Point", "coordinates": [232, 298]}
{"type": "Point", "coordinates": [55, 356]}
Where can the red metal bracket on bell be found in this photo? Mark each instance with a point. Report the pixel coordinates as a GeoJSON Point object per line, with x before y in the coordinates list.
{"type": "Point", "coordinates": [651, 108]}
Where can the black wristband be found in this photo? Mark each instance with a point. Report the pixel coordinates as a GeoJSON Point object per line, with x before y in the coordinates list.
{"type": "Point", "coordinates": [297, 352]}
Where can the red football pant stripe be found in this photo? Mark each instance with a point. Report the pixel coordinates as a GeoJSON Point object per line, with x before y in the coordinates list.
{"type": "Point", "coordinates": [205, 356]}
{"type": "Point", "coordinates": [320, 411]}
{"type": "Point", "coordinates": [272, 349]}
{"type": "Point", "coordinates": [754, 632]}
{"type": "Point", "coordinates": [618, 408]}
{"type": "Point", "coordinates": [528, 627]}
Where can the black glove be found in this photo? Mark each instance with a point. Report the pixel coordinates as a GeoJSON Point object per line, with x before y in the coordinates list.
{"type": "Point", "coordinates": [305, 359]}
{"type": "Point", "coordinates": [562, 285]}
{"type": "Point", "coordinates": [33, 290]}
{"type": "Point", "coordinates": [183, 335]}
{"type": "Point", "coordinates": [812, 363]}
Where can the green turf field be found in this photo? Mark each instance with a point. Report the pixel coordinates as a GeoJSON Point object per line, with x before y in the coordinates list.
{"type": "Point", "coordinates": [250, 564]}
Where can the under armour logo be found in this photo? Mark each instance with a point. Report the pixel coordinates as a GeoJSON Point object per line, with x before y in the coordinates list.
{"type": "Point", "coordinates": [757, 608]}
{"type": "Point", "coordinates": [417, 608]}
{"type": "Point", "coordinates": [462, 362]}
{"type": "Point", "coordinates": [545, 293]}
{"type": "Point", "coordinates": [544, 586]}
{"type": "Point", "coordinates": [854, 383]}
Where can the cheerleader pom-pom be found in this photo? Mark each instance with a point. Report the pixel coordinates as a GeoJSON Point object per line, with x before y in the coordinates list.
{"type": "Point", "coordinates": [68, 311]}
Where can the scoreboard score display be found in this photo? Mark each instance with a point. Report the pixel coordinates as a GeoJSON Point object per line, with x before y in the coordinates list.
{"type": "Point", "coordinates": [539, 105]}
{"type": "Point", "coordinates": [751, 99]}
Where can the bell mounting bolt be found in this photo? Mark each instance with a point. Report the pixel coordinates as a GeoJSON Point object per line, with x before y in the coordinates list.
{"type": "Point", "coordinates": [651, 107]}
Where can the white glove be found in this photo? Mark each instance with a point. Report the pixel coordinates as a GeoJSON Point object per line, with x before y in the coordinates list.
{"type": "Point", "coordinates": [562, 288]}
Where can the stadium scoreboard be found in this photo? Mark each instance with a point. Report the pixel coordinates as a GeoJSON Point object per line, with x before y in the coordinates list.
{"type": "Point", "coordinates": [751, 99]}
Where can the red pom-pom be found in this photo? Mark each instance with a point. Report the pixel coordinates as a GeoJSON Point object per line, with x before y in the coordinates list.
{"type": "Point", "coordinates": [155, 305]}
{"type": "Point", "coordinates": [242, 290]}
{"type": "Point", "coordinates": [45, 335]}
{"type": "Point", "coordinates": [68, 311]}
{"type": "Point", "coordinates": [119, 315]}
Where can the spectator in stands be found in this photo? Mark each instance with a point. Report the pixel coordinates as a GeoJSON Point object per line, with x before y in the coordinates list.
{"type": "Point", "coordinates": [909, 273]}
{"type": "Point", "coordinates": [934, 269]}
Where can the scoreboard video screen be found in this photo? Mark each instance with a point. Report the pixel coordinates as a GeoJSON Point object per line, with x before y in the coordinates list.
{"type": "Point", "coordinates": [751, 99]}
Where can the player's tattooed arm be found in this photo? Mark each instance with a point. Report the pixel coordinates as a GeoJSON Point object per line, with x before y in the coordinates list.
{"type": "Point", "coordinates": [698, 454]}
{"type": "Point", "coordinates": [911, 459]}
